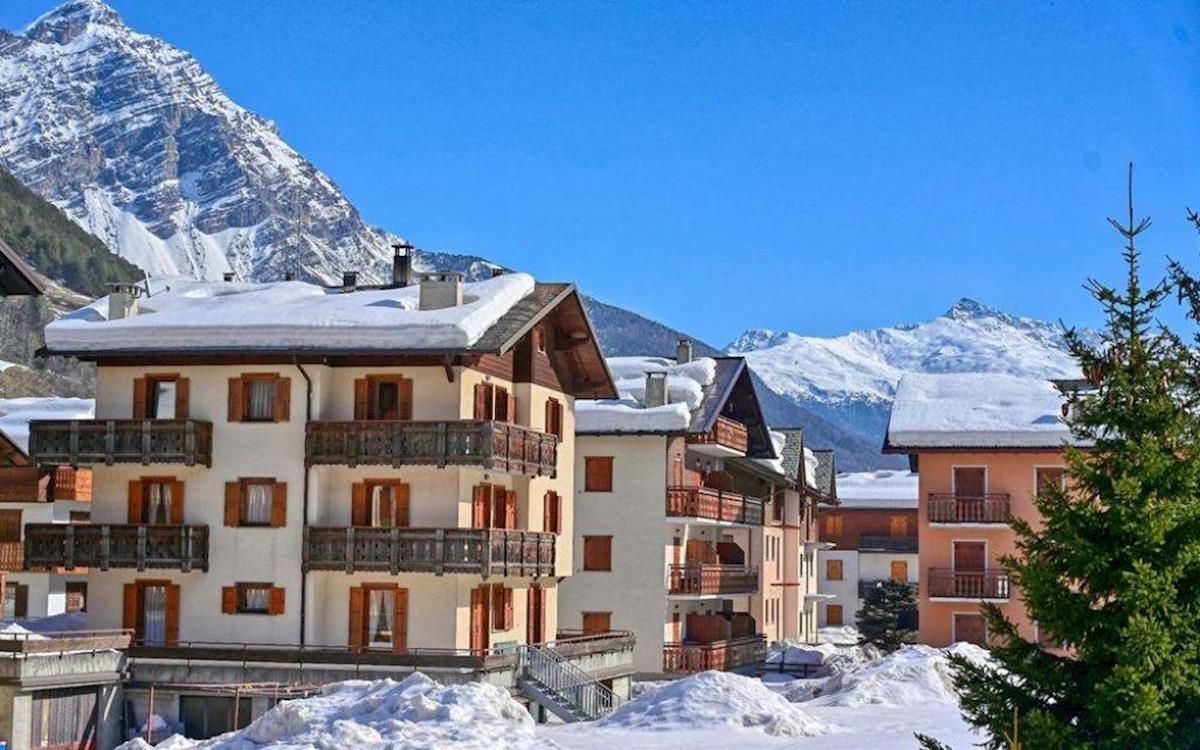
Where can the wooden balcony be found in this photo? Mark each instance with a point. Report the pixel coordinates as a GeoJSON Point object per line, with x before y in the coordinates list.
{"type": "Point", "coordinates": [719, 655]}
{"type": "Point", "coordinates": [121, 441]}
{"type": "Point", "coordinates": [714, 505]}
{"type": "Point", "coordinates": [947, 583]}
{"type": "Point", "coordinates": [700, 579]}
{"type": "Point", "coordinates": [136, 546]}
{"type": "Point", "coordinates": [950, 509]}
{"type": "Point", "coordinates": [494, 446]}
{"type": "Point", "coordinates": [34, 484]}
{"type": "Point", "coordinates": [12, 556]}
{"type": "Point", "coordinates": [483, 552]}
{"type": "Point", "coordinates": [728, 437]}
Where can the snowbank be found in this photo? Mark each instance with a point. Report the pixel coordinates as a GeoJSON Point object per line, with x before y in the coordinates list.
{"type": "Point", "coordinates": [710, 700]}
{"type": "Point", "coordinates": [185, 313]}
{"type": "Point", "coordinates": [13, 631]}
{"type": "Point", "coordinates": [685, 392]}
{"type": "Point", "coordinates": [846, 635]}
{"type": "Point", "coordinates": [911, 676]}
{"type": "Point", "coordinates": [976, 410]}
{"type": "Point", "coordinates": [16, 413]}
{"type": "Point", "coordinates": [627, 416]}
{"type": "Point", "coordinates": [415, 713]}
{"type": "Point", "coordinates": [878, 489]}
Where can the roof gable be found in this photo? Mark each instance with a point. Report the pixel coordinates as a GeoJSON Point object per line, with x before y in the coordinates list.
{"type": "Point", "coordinates": [16, 277]}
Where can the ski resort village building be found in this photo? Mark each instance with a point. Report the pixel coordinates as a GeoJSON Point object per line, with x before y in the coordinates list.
{"type": "Point", "coordinates": [983, 445]}
{"type": "Point", "coordinates": [692, 519]}
{"type": "Point", "coordinates": [871, 535]}
{"type": "Point", "coordinates": [295, 484]}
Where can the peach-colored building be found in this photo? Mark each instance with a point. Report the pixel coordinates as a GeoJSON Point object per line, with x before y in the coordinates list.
{"type": "Point", "coordinates": [983, 445]}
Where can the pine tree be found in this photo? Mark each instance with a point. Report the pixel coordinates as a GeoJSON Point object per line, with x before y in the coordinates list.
{"type": "Point", "coordinates": [886, 617]}
{"type": "Point", "coordinates": [1113, 573]}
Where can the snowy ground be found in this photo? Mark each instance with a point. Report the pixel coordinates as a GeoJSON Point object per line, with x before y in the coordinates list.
{"type": "Point", "coordinates": [861, 702]}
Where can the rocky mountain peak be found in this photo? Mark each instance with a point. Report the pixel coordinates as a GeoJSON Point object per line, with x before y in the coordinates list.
{"type": "Point", "coordinates": [966, 308]}
{"type": "Point", "coordinates": [67, 21]}
{"type": "Point", "coordinates": [754, 339]}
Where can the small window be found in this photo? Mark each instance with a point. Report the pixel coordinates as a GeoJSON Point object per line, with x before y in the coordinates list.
{"type": "Point", "coordinates": [833, 614]}
{"type": "Point", "coordinates": [256, 508]}
{"type": "Point", "coordinates": [597, 553]}
{"type": "Point", "coordinates": [596, 622]}
{"type": "Point", "coordinates": [260, 401]}
{"type": "Point", "coordinates": [539, 339]}
{"type": "Point", "coordinates": [598, 474]}
{"type": "Point", "coordinates": [900, 570]}
{"type": "Point", "coordinates": [76, 596]}
{"type": "Point", "coordinates": [833, 570]}
{"type": "Point", "coordinates": [502, 607]}
{"type": "Point", "coordinates": [1048, 476]}
{"type": "Point", "coordinates": [157, 499]}
{"type": "Point", "coordinates": [162, 399]}
{"type": "Point", "coordinates": [254, 598]}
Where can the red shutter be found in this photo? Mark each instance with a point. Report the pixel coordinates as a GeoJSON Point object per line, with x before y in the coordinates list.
{"type": "Point", "coordinates": [137, 503]}
{"type": "Point", "coordinates": [181, 398]}
{"type": "Point", "coordinates": [140, 398]}
{"type": "Point", "coordinates": [362, 398]}
{"type": "Point", "coordinates": [400, 495]}
{"type": "Point", "coordinates": [358, 606]}
{"type": "Point", "coordinates": [275, 605]}
{"type": "Point", "coordinates": [129, 610]}
{"type": "Point", "coordinates": [480, 499]}
{"type": "Point", "coordinates": [279, 504]}
{"type": "Point", "coordinates": [176, 502]}
{"type": "Point", "coordinates": [360, 512]}
{"type": "Point", "coordinates": [233, 503]}
{"type": "Point", "coordinates": [283, 399]}
{"type": "Point", "coordinates": [406, 399]}
{"type": "Point", "coordinates": [229, 600]}
{"type": "Point", "coordinates": [481, 401]}
{"type": "Point", "coordinates": [237, 409]}
{"type": "Point", "coordinates": [172, 614]}
{"type": "Point", "coordinates": [400, 625]}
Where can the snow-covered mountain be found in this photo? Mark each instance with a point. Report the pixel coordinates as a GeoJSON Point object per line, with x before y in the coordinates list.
{"type": "Point", "coordinates": [850, 379]}
{"type": "Point", "coordinates": [137, 143]}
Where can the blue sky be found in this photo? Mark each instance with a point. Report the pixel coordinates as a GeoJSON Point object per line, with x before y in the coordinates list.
{"type": "Point", "coordinates": [817, 167]}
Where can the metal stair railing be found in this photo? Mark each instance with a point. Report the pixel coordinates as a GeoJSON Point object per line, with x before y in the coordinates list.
{"type": "Point", "coordinates": [562, 680]}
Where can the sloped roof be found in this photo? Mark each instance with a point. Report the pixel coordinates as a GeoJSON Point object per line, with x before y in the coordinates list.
{"type": "Point", "coordinates": [11, 454]}
{"type": "Point", "coordinates": [16, 277]}
{"type": "Point", "coordinates": [793, 453]}
{"type": "Point", "coordinates": [826, 474]}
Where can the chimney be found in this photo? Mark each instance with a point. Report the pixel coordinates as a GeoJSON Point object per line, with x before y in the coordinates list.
{"type": "Point", "coordinates": [228, 277]}
{"type": "Point", "coordinates": [402, 264]}
{"type": "Point", "coordinates": [441, 290]}
{"type": "Point", "coordinates": [349, 281]}
{"type": "Point", "coordinates": [122, 301]}
{"type": "Point", "coordinates": [656, 390]}
{"type": "Point", "coordinates": [683, 351]}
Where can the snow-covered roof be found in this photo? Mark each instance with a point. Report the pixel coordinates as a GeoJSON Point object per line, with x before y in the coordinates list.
{"type": "Point", "coordinates": [16, 414]}
{"type": "Point", "coordinates": [975, 410]}
{"type": "Point", "coordinates": [877, 489]}
{"type": "Point", "coordinates": [182, 313]}
{"type": "Point", "coordinates": [686, 385]}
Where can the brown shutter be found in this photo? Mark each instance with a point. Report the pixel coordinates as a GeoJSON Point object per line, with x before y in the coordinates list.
{"type": "Point", "coordinates": [237, 409]}
{"type": "Point", "coordinates": [500, 404]}
{"type": "Point", "coordinates": [275, 606]}
{"type": "Point", "coordinates": [512, 408]}
{"type": "Point", "coordinates": [498, 606]}
{"type": "Point", "coordinates": [405, 389]}
{"type": "Point", "coordinates": [548, 418]}
{"type": "Point", "coordinates": [400, 624]}
{"type": "Point", "coordinates": [21, 606]}
{"type": "Point", "coordinates": [129, 608]}
{"type": "Point", "coordinates": [387, 508]}
{"type": "Point", "coordinates": [481, 401]}
{"type": "Point", "coordinates": [360, 512]}
{"type": "Point", "coordinates": [362, 397]}
{"type": "Point", "coordinates": [499, 512]}
{"type": "Point", "coordinates": [508, 608]}
{"type": "Point", "coordinates": [510, 509]}
{"type": "Point", "coordinates": [181, 398]}
{"type": "Point", "coordinates": [283, 399]}
{"type": "Point", "coordinates": [140, 398]}
{"type": "Point", "coordinates": [176, 502]}
{"type": "Point", "coordinates": [357, 624]}
{"type": "Point", "coordinates": [279, 504]}
{"type": "Point", "coordinates": [137, 502]}
{"type": "Point", "coordinates": [172, 614]}
{"type": "Point", "coordinates": [229, 600]}
{"type": "Point", "coordinates": [479, 506]}
{"type": "Point", "coordinates": [233, 503]}
{"type": "Point", "coordinates": [552, 513]}
{"type": "Point", "coordinates": [598, 473]}
{"type": "Point", "coordinates": [547, 511]}
{"type": "Point", "coordinates": [400, 494]}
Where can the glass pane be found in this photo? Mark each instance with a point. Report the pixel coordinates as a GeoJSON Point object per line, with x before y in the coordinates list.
{"type": "Point", "coordinates": [262, 400]}
{"type": "Point", "coordinates": [164, 399]}
{"type": "Point", "coordinates": [158, 503]}
{"type": "Point", "coordinates": [380, 618]}
{"type": "Point", "coordinates": [382, 512]}
{"type": "Point", "coordinates": [255, 598]}
{"type": "Point", "coordinates": [154, 615]}
{"type": "Point", "coordinates": [258, 504]}
{"type": "Point", "coordinates": [387, 400]}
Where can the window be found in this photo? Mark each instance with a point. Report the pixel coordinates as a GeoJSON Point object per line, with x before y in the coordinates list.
{"type": "Point", "coordinates": [539, 339]}
{"type": "Point", "coordinates": [831, 528]}
{"type": "Point", "coordinates": [597, 553]}
{"type": "Point", "coordinates": [206, 716]}
{"type": "Point", "coordinates": [494, 402]}
{"type": "Point", "coordinates": [151, 611]}
{"type": "Point", "coordinates": [379, 617]}
{"type": "Point", "coordinates": [252, 599]}
{"type": "Point", "coordinates": [379, 503]}
{"type": "Point", "coordinates": [598, 474]}
{"type": "Point", "coordinates": [10, 527]}
{"type": "Point", "coordinates": [898, 525]}
{"type": "Point", "coordinates": [1047, 476]}
{"type": "Point", "coordinates": [16, 600]}
{"type": "Point", "coordinates": [76, 596]}
{"type": "Point", "coordinates": [64, 718]}
{"type": "Point", "coordinates": [155, 500]}
{"type": "Point", "coordinates": [256, 502]}
{"type": "Point", "coordinates": [157, 496]}
{"type": "Point", "coordinates": [552, 513]}
{"type": "Point", "coordinates": [160, 397]}
{"type": "Point", "coordinates": [260, 397]}
{"type": "Point", "coordinates": [502, 607]}
{"type": "Point", "coordinates": [971, 628]}
{"type": "Point", "coordinates": [833, 614]}
{"type": "Point", "coordinates": [833, 570]}
{"type": "Point", "coordinates": [554, 418]}
{"type": "Point", "coordinates": [900, 570]}
{"type": "Point", "coordinates": [493, 506]}
{"type": "Point", "coordinates": [383, 397]}
{"type": "Point", "coordinates": [596, 622]}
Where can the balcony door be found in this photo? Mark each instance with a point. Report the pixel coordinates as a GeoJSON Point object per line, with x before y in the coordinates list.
{"type": "Point", "coordinates": [151, 611]}
{"type": "Point", "coordinates": [379, 617]}
{"type": "Point", "coordinates": [970, 481]}
{"type": "Point", "coordinates": [380, 504]}
{"type": "Point", "coordinates": [383, 397]}
{"type": "Point", "coordinates": [970, 557]}
{"type": "Point", "coordinates": [971, 628]}
{"type": "Point", "coordinates": [479, 619]}
{"type": "Point", "coordinates": [535, 620]}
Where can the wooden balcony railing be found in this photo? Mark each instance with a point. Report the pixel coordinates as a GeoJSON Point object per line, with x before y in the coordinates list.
{"type": "Point", "coordinates": [138, 546]}
{"type": "Point", "coordinates": [720, 655]}
{"type": "Point", "coordinates": [714, 505]}
{"type": "Point", "coordinates": [950, 508]}
{"type": "Point", "coordinates": [711, 580]}
{"type": "Point", "coordinates": [121, 441]}
{"type": "Point", "coordinates": [727, 433]}
{"type": "Point", "coordinates": [885, 543]}
{"type": "Point", "coordinates": [12, 556]}
{"type": "Point", "coordinates": [495, 446]}
{"type": "Point", "coordinates": [947, 583]}
{"type": "Point", "coordinates": [484, 552]}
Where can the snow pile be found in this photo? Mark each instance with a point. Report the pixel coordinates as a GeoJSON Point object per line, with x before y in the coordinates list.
{"type": "Point", "coordinates": [685, 392]}
{"type": "Point", "coordinates": [184, 313]}
{"type": "Point", "coordinates": [980, 410]}
{"type": "Point", "coordinates": [61, 623]}
{"type": "Point", "coordinates": [711, 700]}
{"type": "Point", "coordinates": [16, 413]}
{"type": "Point", "coordinates": [414, 713]}
{"type": "Point", "coordinates": [878, 489]}
{"type": "Point", "coordinates": [911, 676]}
{"type": "Point", "coordinates": [15, 632]}
{"type": "Point", "coordinates": [838, 635]}
{"type": "Point", "coordinates": [778, 440]}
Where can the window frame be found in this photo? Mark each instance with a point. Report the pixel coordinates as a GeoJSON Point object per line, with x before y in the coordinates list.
{"type": "Point", "coordinates": [606, 541]}
{"type": "Point", "coordinates": [244, 589]}
{"type": "Point", "coordinates": [606, 461]}
{"type": "Point", "coordinates": [244, 504]}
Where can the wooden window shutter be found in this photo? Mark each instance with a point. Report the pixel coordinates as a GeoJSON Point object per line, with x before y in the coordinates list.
{"type": "Point", "coordinates": [498, 607]}
{"type": "Point", "coordinates": [172, 634]}
{"type": "Point", "coordinates": [499, 510]}
{"type": "Point", "coordinates": [229, 600]}
{"type": "Point", "coordinates": [554, 417]}
{"type": "Point", "coordinates": [283, 399]}
{"type": "Point", "coordinates": [481, 401]}
{"type": "Point", "coordinates": [406, 399]}
{"type": "Point", "coordinates": [140, 397]}
{"type": "Point", "coordinates": [358, 598]}
{"type": "Point", "coordinates": [500, 404]}
{"type": "Point", "coordinates": [548, 419]}
{"type": "Point", "coordinates": [137, 502]}
{"type": "Point", "coordinates": [129, 608]}
{"type": "Point", "coordinates": [510, 509]}
{"type": "Point", "coordinates": [182, 398]}
{"type": "Point", "coordinates": [176, 502]}
{"type": "Point", "coordinates": [279, 504]}
{"type": "Point", "coordinates": [237, 396]}
{"type": "Point", "coordinates": [400, 620]}
{"type": "Point", "coordinates": [21, 605]}
{"type": "Point", "coordinates": [360, 512]}
{"type": "Point", "coordinates": [362, 399]}
{"type": "Point", "coordinates": [400, 494]}
{"type": "Point", "coordinates": [552, 513]}
{"type": "Point", "coordinates": [233, 503]}
{"type": "Point", "coordinates": [276, 602]}
{"type": "Point", "coordinates": [597, 553]}
{"type": "Point", "coordinates": [508, 608]}
{"type": "Point", "coordinates": [480, 499]}
{"type": "Point", "coordinates": [598, 473]}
